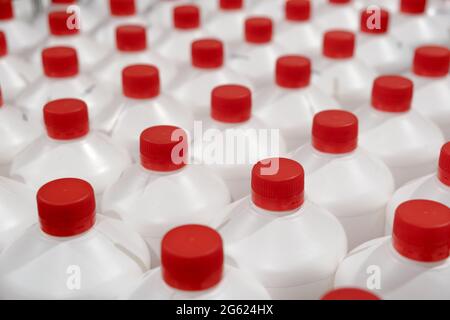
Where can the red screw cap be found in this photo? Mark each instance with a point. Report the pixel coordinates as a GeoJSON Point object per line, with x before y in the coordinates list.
{"type": "Point", "coordinates": [207, 53]}
{"type": "Point", "coordinates": [140, 81]}
{"type": "Point", "coordinates": [186, 17]}
{"type": "Point", "coordinates": [258, 30]}
{"type": "Point", "coordinates": [392, 93]}
{"type": "Point", "coordinates": [3, 44]}
{"type": "Point", "coordinates": [122, 7]}
{"type": "Point", "coordinates": [57, 22]}
{"type": "Point", "coordinates": [293, 72]}
{"type": "Point", "coordinates": [6, 10]}
{"type": "Point", "coordinates": [431, 61]}
{"type": "Point", "coordinates": [349, 294]}
{"type": "Point", "coordinates": [64, 1]}
{"type": "Point", "coordinates": [131, 38]}
{"type": "Point", "coordinates": [444, 164]}
{"type": "Point", "coordinates": [422, 230]}
{"type": "Point", "coordinates": [231, 4]}
{"type": "Point", "coordinates": [1, 98]}
{"type": "Point", "coordinates": [338, 44]}
{"type": "Point", "coordinates": [60, 62]}
{"type": "Point", "coordinates": [163, 148]}
{"type": "Point", "coordinates": [66, 207]}
{"type": "Point", "coordinates": [231, 103]}
{"type": "Point", "coordinates": [368, 21]}
{"type": "Point", "coordinates": [278, 184]}
{"type": "Point", "coordinates": [192, 258]}
{"type": "Point", "coordinates": [413, 6]}
{"type": "Point", "coordinates": [66, 119]}
{"type": "Point", "coordinates": [335, 131]}
{"type": "Point", "coordinates": [298, 10]}
{"type": "Point", "coordinates": [339, 1]}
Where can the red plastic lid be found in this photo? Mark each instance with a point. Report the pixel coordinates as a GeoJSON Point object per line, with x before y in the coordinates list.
{"type": "Point", "coordinates": [192, 258]}
{"type": "Point", "coordinates": [339, 1]}
{"type": "Point", "coordinates": [122, 7]}
{"type": "Point", "coordinates": [6, 10]}
{"type": "Point", "coordinates": [338, 44]}
{"type": "Point", "coordinates": [369, 19]}
{"type": "Point", "coordinates": [1, 98]}
{"type": "Point", "coordinates": [186, 17]}
{"type": "Point", "coordinates": [413, 6]}
{"type": "Point", "coordinates": [298, 10]}
{"type": "Point", "coordinates": [231, 4]}
{"type": "Point", "coordinates": [335, 131]}
{"type": "Point", "coordinates": [60, 62]}
{"type": "Point", "coordinates": [66, 207]}
{"type": "Point", "coordinates": [3, 44]}
{"type": "Point", "coordinates": [163, 148]}
{"type": "Point", "coordinates": [349, 294]}
{"type": "Point", "coordinates": [431, 61]}
{"type": "Point", "coordinates": [131, 38]}
{"type": "Point", "coordinates": [258, 30]}
{"type": "Point", "coordinates": [293, 71]}
{"type": "Point", "coordinates": [444, 164]}
{"type": "Point", "coordinates": [231, 103]}
{"type": "Point", "coordinates": [66, 119]}
{"type": "Point", "coordinates": [422, 230]}
{"type": "Point", "coordinates": [57, 21]}
{"type": "Point", "coordinates": [64, 1]}
{"type": "Point", "coordinates": [207, 53]}
{"type": "Point", "coordinates": [278, 184]}
{"type": "Point", "coordinates": [392, 93]}
{"type": "Point", "coordinates": [140, 81]}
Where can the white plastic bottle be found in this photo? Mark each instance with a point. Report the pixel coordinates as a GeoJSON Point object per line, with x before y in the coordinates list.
{"type": "Point", "coordinates": [71, 253]}
{"type": "Point", "coordinates": [345, 179]}
{"type": "Point", "coordinates": [273, 9]}
{"type": "Point", "coordinates": [160, 14]}
{"type": "Point", "coordinates": [70, 150]}
{"type": "Point", "coordinates": [255, 59]}
{"type": "Point", "coordinates": [292, 246]}
{"type": "Point", "coordinates": [431, 187]}
{"type": "Point", "coordinates": [337, 14]}
{"type": "Point", "coordinates": [16, 133]}
{"type": "Point", "coordinates": [62, 79]}
{"type": "Point", "coordinates": [193, 268]}
{"type": "Point", "coordinates": [163, 191]}
{"type": "Point", "coordinates": [412, 264]}
{"type": "Point", "coordinates": [349, 294]}
{"type": "Point", "coordinates": [208, 70]}
{"type": "Point", "coordinates": [407, 142]}
{"type": "Point", "coordinates": [340, 74]}
{"type": "Point", "coordinates": [290, 104]}
{"type": "Point", "coordinates": [15, 73]}
{"type": "Point", "coordinates": [16, 210]}
{"type": "Point", "coordinates": [144, 105]}
{"type": "Point", "coordinates": [132, 48]}
{"type": "Point", "coordinates": [432, 82]}
{"type": "Point", "coordinates": [376, 47]}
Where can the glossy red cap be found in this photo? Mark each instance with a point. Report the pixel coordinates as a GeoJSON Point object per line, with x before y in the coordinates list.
{"type": "Point", "coordinates": [258, 30]}
{"type": "Point", "coordinates": [122, 7]}
{"type": "Point", "coordinates": [444, 164]}
{"type": "Point", "coordinates": [3, 44]}
{"type": "Point", "coordinates": [368, 21]}
{"type": "Point", "coordinates": [278, 184]}
{"type": "Point", "coordinates": [231, 4]}
{"type": "Point", "coordinates": [339, 1]}
{"type": "Point", "coordinates": [131, 38]}
{"type": "Point", "coordinates": [66, 207]}
{"type": "Point", "coordinates": [422, 230]}
{"type": "Point", "coordinates": [60, 62]}
{"type": "Point", "coordinates": [413, 6]}
{"type": "Point", "coordinates": [64, 1]}
{"type": "Point", "coordinates": [338, 44]}
{"type": "Point", "coordinates": [163, 148]}
{"type": "Point", "coordinates": [335, 131]}
{"type": "Point", "coordinates": [207, 53]}
{"type": "Point", "coordinates": [66, 119]}
{"type": "Point", "coordinates": [349, 294]}
{"type": "Point", "coordinates": [293, 72]}
{"type": "Point", "coordinates": [57, 21]}
{"type": "Point", "coordinates": [6, 10]}
{"type": "Point", "coordinates": [392, 93]}
{"type": "Point", "coordinates": [298, 10]}
{"type": "Point", "coordinates": [431, 61]}
{"type": "Point", "coordinates": [140, 81]}
{"type": "Point", "coordinates": [192, 258]}
{"type": "Point", "coordinates": [231, 103]}
{"type": "Point", "coordinates": [186, 17]}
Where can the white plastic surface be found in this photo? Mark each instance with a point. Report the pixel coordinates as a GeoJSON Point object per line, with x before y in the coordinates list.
{"type": "Point", "coordinates": [22, 37]}
{"type": "Point", "coordinates": [337, 16]}
{"type": "Point", "coordinates": [228, 26]}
